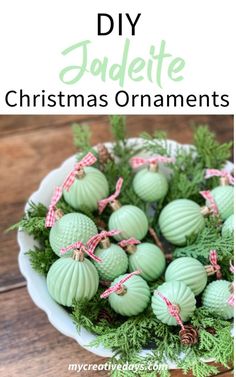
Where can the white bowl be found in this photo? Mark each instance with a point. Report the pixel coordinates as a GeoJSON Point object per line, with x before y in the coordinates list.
{"type": "Point", "coordinates": [36, 284]}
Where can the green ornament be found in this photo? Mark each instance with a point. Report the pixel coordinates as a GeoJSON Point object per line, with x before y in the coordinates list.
{"type": "Point", "coordinates": [178, 294]}
{"type": "Point", "coordinates": [150, 185]}
{"type": "Point", "coordinates": [90, 186]}
{"type": "Point", "coordinates": [114, 260]}
{"type": "Point", "coordinates": [228, 227]}
{"type": "Point", "coordinates": [130, 220]}
{"type": "Point", "coordinates": [132, 297]}
{"type": "Point", "coordinates": [71, 228]}
{"type": "Point", "coordinates": [179, 219]}
{"type": "Point", "coordinates": [188, 270]}
{"type": "Point", "coordinates": [148, 258]}
{"type": "Point", "coordinates": [72, 278]}
{"type": "Point", "coordinates": [216, 296]}
{"type": "Point", "coordinates": [224, 199]}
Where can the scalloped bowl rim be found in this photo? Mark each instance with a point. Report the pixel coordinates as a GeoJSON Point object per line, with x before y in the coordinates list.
{"type": "Point", "coordinates": [36, 284]}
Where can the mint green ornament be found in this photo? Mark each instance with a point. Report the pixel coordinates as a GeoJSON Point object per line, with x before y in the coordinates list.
{"type": "Point", "coordinates": [228, 227]}
{"type": "Point", "coordinates": [132, 298]}
{"type": "Point", "coordinates": [188, 270]}
{"type": "Point", "coordinates": [224, 199]}
{"type": "Point", "coordinates": [179, 219]}
{"type": "Point", "coordinates": [216, 296]}
{"type": "Point", "coordinates": [90, 186]}
{"type": "Point", "coordinates": [179, 294]}
{"type": "Point", "coordinates": [130, 220]}
{"type": "Point", "coordinates": [148, 258]}
{"type": "Point", "coordinates": [114, 260]}
{"type": "Point", "coordinates": [71, 228]}
{"type": "Point", "coordinates": [150, 185]}
{"type": "Point", "coordinates": [72, 277]}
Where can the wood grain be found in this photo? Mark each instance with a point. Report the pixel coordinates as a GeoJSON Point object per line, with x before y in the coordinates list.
{"type": "Point", "coordinates": [30, 147]}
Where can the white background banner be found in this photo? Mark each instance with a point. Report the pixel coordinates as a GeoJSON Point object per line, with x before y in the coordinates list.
{"type": "Point", "coordinates": [35, 33]}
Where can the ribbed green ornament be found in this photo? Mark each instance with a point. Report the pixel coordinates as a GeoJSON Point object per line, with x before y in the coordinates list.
{"type": "Point", "coordinates": [228, 227]}
{"type": "Point", "coordinates": [148, 258]}
{"type": "Point", "coordinates": [215, 297]}
{"type": "Point", "coordinates": [87, 189]}
{"type": "Point", "coordinates": [178, 294]}
{"type": "Point", "coordinates": [179, 219]}
{"type": "Point", "coordinates": [130, 220]}
{"type": "Point", "coordinates": [135, 298]}
{"type": "Point", "coordinates": [224, 198]}
{"type": "Point", "coordinates": [188, 270]}
{"type": "Point", "coordinates": [71, 228]}
{"type": "Point", "coordinates": [114, 262]}
{"type": "Point", "coordinates": [69, 279]}
{"type": "Point", "coordinates": [149, 185]}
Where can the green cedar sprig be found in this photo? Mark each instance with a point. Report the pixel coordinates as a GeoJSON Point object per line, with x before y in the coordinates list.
{"type": "Point", "coordinates": [41, 258]}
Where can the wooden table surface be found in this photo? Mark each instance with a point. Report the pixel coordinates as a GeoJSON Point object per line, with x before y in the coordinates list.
{"type": "Point", "coordinates": [31, 146]}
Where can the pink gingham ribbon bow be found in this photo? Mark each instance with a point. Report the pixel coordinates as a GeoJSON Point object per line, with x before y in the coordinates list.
{"type": "Point", "coordinates": [130, 241]}
{"type": "Point", "coordinates": [136, 162]}
{"type": "Point", "coordinates": [118, 285]}
{"type": "Point", "coordinates": [219, 173]}
{"type": "Point", "coordinates": [172, 309]}
{"type": "Point", "coordinates": [103, 203]}
{"type": "Point", "coordinates": [50, 219]}
{"type": "Point", "coordinates": [209, 197]}
{"type": "Point", "coordinates": [231, 297]}
{"type": "Point", "coordinates": [231, 267]}
{"type": "Point", "coordinates": [94, 241]}
{"type": "Point", "coordinates": [213, 260]}
{"type": "Point", "coordinates": [79, 245]}
{"type": "Point", "coordinates": [88, 160]}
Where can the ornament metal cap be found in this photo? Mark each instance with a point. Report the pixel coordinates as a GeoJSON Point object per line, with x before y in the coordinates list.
{"type": "Point", "coordinates": [115, 205]}
{"type": "Point", "coordinates": [58, 214]}
{"type": "Point", "coordinates": [105, 243]}
{"type": "Point", "coordinates": [78, 255]}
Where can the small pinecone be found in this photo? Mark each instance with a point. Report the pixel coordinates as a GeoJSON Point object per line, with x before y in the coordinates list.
{"type": "Point", "coordinates": [189, 335]}
{"type": "Point", "coordinates": [105, 283]}
{"type": "Point", "coordinates": [103, 154]}
{"type": "Point", "coordinates": [103, 314]}
{"type": "Point", "coordinates": [100, 224]}
{"type": "Point", "coordinates": [211, 330]}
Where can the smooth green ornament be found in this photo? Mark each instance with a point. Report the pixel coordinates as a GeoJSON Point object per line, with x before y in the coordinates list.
{"type": "Point", "coordinates": [188, 270]}
{"type": "Point", "coordinates": [114, 260]}
{"type": "Point", "coordinates": [71, 228]}
{"type": "Point", "coordinates": [89, 187]}
{"type": "Point", "coordinates": [179, 219]}
{"type": "Point", "coordinates": [130, 220]}
{"type": "Point", "coordinates": [224, 199]}
{"type": "Point", "coordinates": [148, 258]}
{"type": "Point", "coordinates": [228, 227]}
{"type": "Point", "coordinates": [215, 297]}
{"type": "Point", "coordinates": [178, 294]}
{"type": "Point", "coordinates": [72, 277]}
{"type": "Point", "coordinates": [150, 185]}
{"type": "Point", "coordinates": [133, 297]}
